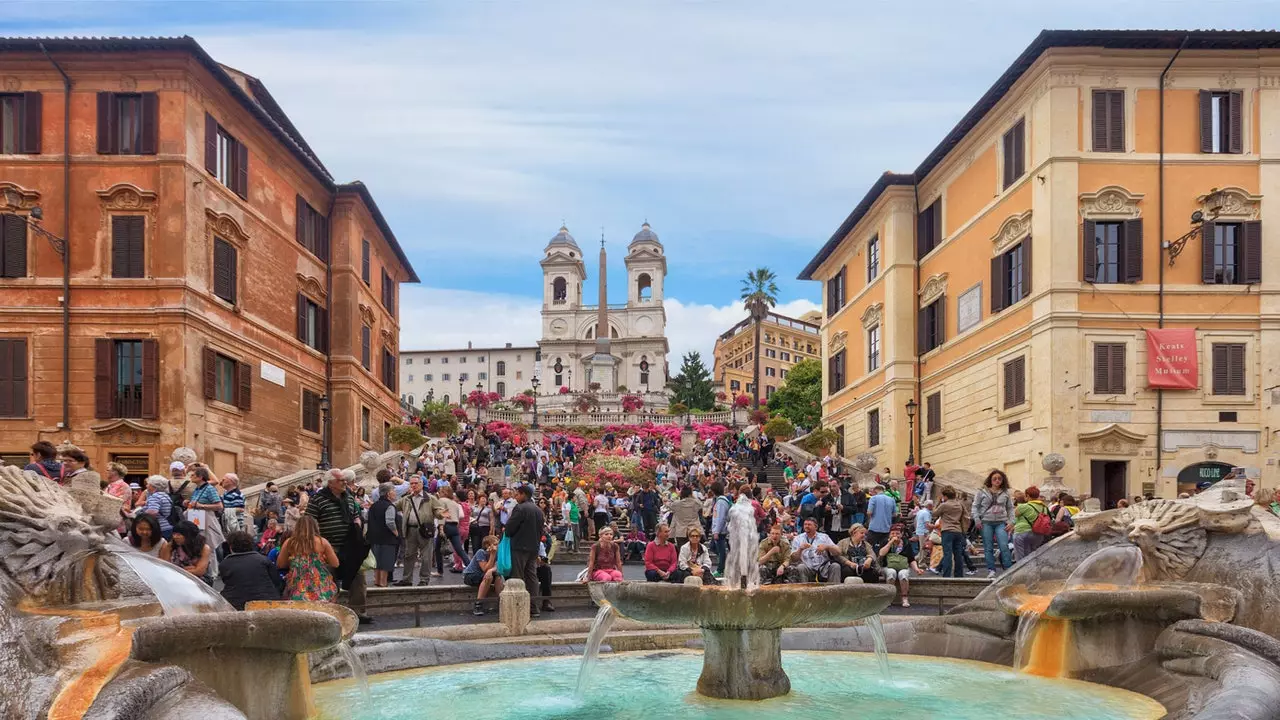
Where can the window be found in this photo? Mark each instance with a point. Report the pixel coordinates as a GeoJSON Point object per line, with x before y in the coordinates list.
{"type": "Point", "coordinates": [1011, 276]}
{"type": "Point", "coordinates": [310, 411]}
{"type": "Point", "coordinates": [388, 293]}
{"type": "Point", "coordinates": [1113, 251]}
{"type": "Point", "coordinates": [224, 270]}
{"type": "Point", "coordinates": [126, 378]}
{"type": "Point", "coordinates": [410, 377]}
{"type": "Point", "coordinates": [128, 123]}
{"type": "Point", "coordinates": [311, 229]}
{"type": "Point", "coordinates": [364, 423]}
{"type": "Point", "coordinates": [520, 375]}
{"type": "Point", "coordinates": [224, 369]}
{"type": "Point", "coordinates": [933, 324]}
{"type": "Point", "coordinates": [783, 374]}
{"type": "Point", "coordinates": [1108, 121]}
{"type": "Point", "coordinates": [482, 376]}
{"type": "Point", "coordinates": [464, 377]}
{"type": "Point", "coordinates": [480, 359]}
{"type": "Point", "coordinates": [13, 377]}
{"type": "Point", "coordinates": [1228, 369]}
{"type": "Point", "coordinates": [786, 356]}
{"type": "Point", "coordinates": [835, 292]}
{"type": "Point", "coordinates": [408, 361]}
{"type": "Point", "coordinates": [444, 361]}
{"type": "Point", "coordinates": [20, 123]}
{"type": "Point", "coordinates": [644, 371]}
{"type": "Point", "coordinates": [463, 359]}
{"type": "Point", "coordinates": [1015, 382]}
{"type": "Point", "coordinates": [873, 427]}
{"type": "Point", "coordinates": [644, 287]}
{"type": "Point", "coordinates": [445, 378]}
{"type": "Point", "coordinates": [873, 257]}
{"type": "Point", "coordinates": [1221, 121]}
{"type": "Point", "coordinates": [366, 352]}
{"type": "Point", "coordinates": [226, 158]}
{"type": "Point", "coordinates": [388, 369]}
{"type": "Point", "coordinates": [1014, 147]}
{"type": "Point", "coordinates": [771, 353]}
{"type": "Point", "coordinates": [559, 291]}
{"type": "Point", "coordinates": [365, 263]}
{"type": "Point", "coordinates": [835, 372]}
{"type": "Point", "coordinates": [1232, 253]}
{"type": "Point", "coordinates": [929, 229]}
{"type": "Point", "coordinates": [873, 348]}
{"type": "Point", "coordinates": [933, 413]}
{"type": "Point", "coordinates": [13, 258]}
{"type": "Point", "coordinates": [770, 372]}
{"type": "Point", "coordinates": [227, 380]}
{"type": "Point", "coordinates": [425, 361]}
{"type": "Point", "coordinates": [1108, 368]}
{"type": "Point", "coordinates": [313, 324]}
{"type": "Point", "coordinates": [127, 246]}
{"type": "Point", "coordinates": [427, 377]}
{"type": "Point", "coordinates": [768, 391]}
{"type": "Point", "coordinates": [502, 368]}
{"type": "Point", "coordinates": [735, 385]}
{"type": "Point", "coordinates": [502, 389]}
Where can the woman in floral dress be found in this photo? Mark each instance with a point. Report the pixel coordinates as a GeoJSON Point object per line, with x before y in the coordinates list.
{"type": "Point", "coordinates": [310, 560]}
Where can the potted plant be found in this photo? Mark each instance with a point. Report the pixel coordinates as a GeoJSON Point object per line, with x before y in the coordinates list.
{"type": "Point", "coordinates": [779, 428]}
{"type": "Point", "coordinates": [759, 416]}
{"type": "Point", "coordinates": [405, 437]}
{"type": "Point", "coordinates": [820, 441]}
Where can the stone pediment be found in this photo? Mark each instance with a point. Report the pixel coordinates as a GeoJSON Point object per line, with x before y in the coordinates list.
{"type": "Point", "coordinates": [1012, 230]}
{"type": "Point", "coordinates": [1112, 439]}
{"type": "Point", "coordinates": [126, 424]}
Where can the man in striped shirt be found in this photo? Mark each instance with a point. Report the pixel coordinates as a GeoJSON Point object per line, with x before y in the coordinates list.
{"type": "Point", "coordinates": [336, 511]}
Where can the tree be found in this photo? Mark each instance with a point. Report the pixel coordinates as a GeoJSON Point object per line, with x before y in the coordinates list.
{"type": "Point", "coordinates": [759, 294]}
{"type": "Point", "coordinates": [800, 397]}
{"type": "Point", "coordinates": [692, 386]}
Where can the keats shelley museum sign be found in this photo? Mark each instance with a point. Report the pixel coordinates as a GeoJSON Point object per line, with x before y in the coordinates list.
{"type": "Point", "coordinates": [1172, 361]}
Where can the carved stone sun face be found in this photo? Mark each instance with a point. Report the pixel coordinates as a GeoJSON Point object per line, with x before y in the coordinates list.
{"type": "Point", "coordinates": [1169, 534]}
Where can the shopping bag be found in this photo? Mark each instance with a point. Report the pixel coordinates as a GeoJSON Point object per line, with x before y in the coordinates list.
{"type": "Point", "coordinates": [198, 517]}
{"type": "Point", "coordinates": [504, 557]}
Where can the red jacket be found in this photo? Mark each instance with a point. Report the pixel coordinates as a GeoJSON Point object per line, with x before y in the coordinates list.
{"type": "Point", "coordinates": [661, 557]}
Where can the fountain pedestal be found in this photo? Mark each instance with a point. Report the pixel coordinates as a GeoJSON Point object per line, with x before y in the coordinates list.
{"type": "Point", "coordinates": [742, 664]}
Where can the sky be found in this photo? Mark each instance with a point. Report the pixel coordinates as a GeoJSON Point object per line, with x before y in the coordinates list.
{"type": "Point", "coordinates": [744, 132]}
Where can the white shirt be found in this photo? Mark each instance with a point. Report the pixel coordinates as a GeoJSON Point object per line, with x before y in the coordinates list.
{"type": "Point", "coordinates": [810, 556]}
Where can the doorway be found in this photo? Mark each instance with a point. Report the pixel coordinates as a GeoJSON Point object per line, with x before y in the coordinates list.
{"type": "Point", "coordinates": [1109, 481]}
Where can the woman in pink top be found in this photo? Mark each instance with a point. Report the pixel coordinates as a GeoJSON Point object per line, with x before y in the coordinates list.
{"type": "Point", "coordinates": [605, 563]}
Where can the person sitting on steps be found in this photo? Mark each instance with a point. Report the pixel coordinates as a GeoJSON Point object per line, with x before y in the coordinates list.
{"type": "Point", "coordinates": [482, 572]}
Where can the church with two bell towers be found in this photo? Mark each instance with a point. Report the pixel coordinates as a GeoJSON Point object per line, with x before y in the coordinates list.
{"type": "Point", "coordinates": [620, 346]}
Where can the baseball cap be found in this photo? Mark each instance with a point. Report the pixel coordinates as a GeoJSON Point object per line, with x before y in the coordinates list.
{"type": "Point", "coordinates": [177, 465]}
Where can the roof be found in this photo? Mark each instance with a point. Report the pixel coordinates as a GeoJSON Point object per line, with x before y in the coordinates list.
{"type": "Point", "coordinates": [771, 318]}
{"type": "Point", "coordinates": [257, 101]}
{"type": "Point", "coordinates": [1169, 40]}
{"type": "Point", "coordinates": [468, 349]}
{"type": "Point", "coordinates": [563, 238]}
{"type": "Point", "coordinates": [646, 234]}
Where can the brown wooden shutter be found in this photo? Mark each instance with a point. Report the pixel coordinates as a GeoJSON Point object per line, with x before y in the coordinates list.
{"type": "Point", "coordinates": [309, 411]}
{"type": "Point", "coordinates": [940, 316]}
{"type": "Point", "coordinates": [1206, 252]}
{"type": "Point", "coordinates": [224, 264]}
{"type": "Point", "coordinates": [366, 337]}
{"type": "Point", "coordinates": [1115, 111]}
{"type": "Point", "coordinates": [1020, 149]}
{"type": "Point", "coordinates": [1206, 121]}
{"type": "Point", "coordinates": [107, 139]}
{"type": "Point", "coordinates": [1132, 250]}
{"type": "Point", "coordinates": [998, 290]}
{"type": "Point", "coordinates": [1089, 250]}
{"type": "Point", "coordinates": [244, 379]}
{"type": "Point", "coordinates": [1251, 260]}
{"type": "Point", "coordinates": [1235, 105]}
{"type": "Point", "coordinates": [924, 232]}
{"type": "Point", "coordinates": [1006, 148]}
{"type": "Point", "coordinates": [241, 179]}
{"type": "Point", "coordinates": [209, 365]}
{"type": "Point", "coordinates": [934, 408]}
{"type": "Point", "coordinates": [302, 317]}
{"type": "Point", "coordinates": [1026, 268]}
{"type": "Point", "coordinates": [32, 103]}
{"type": "Point", "coordinates": [935, 224]}
{"type": "Point", "coordinates": [1101, 136]}
{"type": "Point", "coordinates": [104, 405]}
{"type": "Point", "coordinates": [1101, 368]}
{"type": "Point", "coordinates": [119, 247]}
{"type": "Point", "coordinates": [300, 221]}
{"type": "Point", "coordinates": [13, 377]}
{"type": "Point", "coordinates": [1235, 369]}
{"type": "Point", "coordinates": [150, 120]}
{"type": "Point", "coordinates": [14, 262]}
{"type": "Point", "coordinates": [1118, 368]}
{"type": "Point", "coordinates": [137, 246]}
{"type": "Point", "coordinates": [210, 144]}
{"type": "Point", "coordinates": [364, 261]}
{"type": "Point", "coordinates": [150, 379]}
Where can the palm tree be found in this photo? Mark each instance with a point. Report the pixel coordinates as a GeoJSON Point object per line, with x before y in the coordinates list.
{"type": "Point", "coordinates": [759, 294]}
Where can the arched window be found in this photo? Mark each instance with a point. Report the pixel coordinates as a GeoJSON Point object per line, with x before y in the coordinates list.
{"type": "Point", "coordinates": [613, 333]}
{"type": "Point", "coordinates": [446, 399]}
{"type": "Point", "coordinates": [591, 332]}
{"type": "Point", "coordinates": [559, 291]}
{"type": "Point", "coordinates": [411, 401]}
{"type": "Point", "coordinates": [502, 368]}
{"type": "Point", "coordinates": [557, 366]}
{"type": "Point", "coordinates": [644, 371]}
{"type": "Point", "coordinates": [644, 287]}
{"type": "Point", "coordinates": [502, 389]}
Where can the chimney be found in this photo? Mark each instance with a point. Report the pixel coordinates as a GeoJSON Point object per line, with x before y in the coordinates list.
{"type": "Point", "coordinates": [508, 346]}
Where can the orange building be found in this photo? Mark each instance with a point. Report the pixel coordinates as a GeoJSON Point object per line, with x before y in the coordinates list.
{"type": "Point", "coordinates": [218, 290]}
{"type": "Point", "coordinates": [1109, 183]}
{"type": "Point", "coordinates": [784, 341]}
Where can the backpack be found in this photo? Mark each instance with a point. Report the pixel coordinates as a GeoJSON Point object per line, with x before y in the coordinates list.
{"type": "Point", "coordinates": [1064, 526]}
{"type": "Point", "coordinates": [175, 504]}
{"type": "Point", "coordinates": [1043, 524]}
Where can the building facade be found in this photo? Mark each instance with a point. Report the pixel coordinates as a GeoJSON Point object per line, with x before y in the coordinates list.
{"type": "Point", "coordinates": [217, 289]}
{"type": "Point", "coordinates": [440, 374]}
{"type": "Point", "coordinates": [635, 354]}
{"type": "Point", "coordinates": [784, 341]}
{"type": "Point", "coordinates": [1007, 286]}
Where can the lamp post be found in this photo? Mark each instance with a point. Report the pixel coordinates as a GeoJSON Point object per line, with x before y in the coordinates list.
{"type": "Point", "coordinates": [479, 403]}
{"type": "Point", "coordinates": [462, 401]}
{"type": "Point", "coordinates": [324, 433]}
{"type": "Point", "coordinates": [535, 383]}
{"type": "Point", "coordinates": [911, 431]}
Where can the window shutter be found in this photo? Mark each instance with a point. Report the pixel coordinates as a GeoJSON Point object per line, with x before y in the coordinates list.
{"type": "Point", "coordinates": [150, 379]}
{"type": "Point", "coordinates": [14, 262]}
{"type": "Point", "coordinates": [1252, 258]}
{"type": "Point", "coordinates": [366, 335]}
{"type": "Point", "coordinates": [1101, 368]}
{"type": "Point", "coordinates": [209, 364]}
{"type": "Point", "coordinates": [210, 144]}
{"type": "Point", "coordinates": [300, 221]}
{"type": "Point", "coordinates": [934, 403]}
{"type": "Point", "coordinates": [244, 378]}
{"type": "Point", "coordinates": [1235, 105]}
{"type": "Point", "coordinates": [843, 287]}
{"type": "Point", "coordinates": [1089, 250]}
{"type": "Point", "coordinates": [1117, 368]}
{"type": "Point", "coordinates": [302, 317]}
{"type": "Point", "coordinates": [1206, 121]}
{"type": "Point", "coordinates": [1206, 252]}
{"type": "Point", "coordinates": [1220, 373]}
{"type": "Point", "coordinates": [940, 321]}
{"type": "Point", "coordinates": [31, 123]}
{"type": "Point", "coordinates": [150, 124]}
{"type": "Point", "coordinates": [119, 247]}
{"type": "Point", "coordinates": [1132, 242]}
{"type": "Point", "coordinates": [13, 378]}
{"type": "Point", "coordinates": [1235, 369]}
{"type": "Point", "coordinates": [103, 379]}
{"type": "Point", "coordinates": [1020, 149]}
{"type": "Point", "coordinates": [1026, 268]}
{"type": "Point", "coordinates": [1022, 380]}
{"type": "Point", "coordinates": [137, 246]}
{"type": "Point", "coordinates": [1115, 112]}
{"type": "Point", "coordinates": [924, 232]}
{"type": "Point", "coordinates": [241, 179]}
{"type": "Point", "coordinates": [309, 411]}
{"type": "Point", "coordinates": [364, 261]}
{"type": "Point", "coordinates": [106, 138]}
{"type": "Point", "coordinates": [935, 223]}
{"type": "Point", "coordinates": [1101, 136]}
{"type": "Point", "coordinates": [1007, 148]}
{"type": "Point", "coordinates": [998, 290]}
{"type": "Point", "coordinates": [1008, 385]}
{"type": "Point", "coordinates": [224, 270]}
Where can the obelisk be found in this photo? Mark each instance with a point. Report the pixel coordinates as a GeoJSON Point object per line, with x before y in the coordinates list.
{"type": "Point", "coordinates": [602, 363]}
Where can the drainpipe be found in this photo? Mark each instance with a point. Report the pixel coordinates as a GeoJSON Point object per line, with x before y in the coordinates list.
{"type": "Point", "coordinates": [328, 331]}
{"type": "Point", "coordinates": [66, 239]}
{"type": "Point", "coordinates": [915, 299]}
{"type": "Point", "coordinates": [1163, 247]}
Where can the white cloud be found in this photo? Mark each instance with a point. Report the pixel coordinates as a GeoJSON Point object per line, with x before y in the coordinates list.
{"type": "Point", "coordinates": [435, 318]}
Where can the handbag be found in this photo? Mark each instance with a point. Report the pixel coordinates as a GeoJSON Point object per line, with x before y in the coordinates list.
{"type": "Point", "coordinates": [504, 557]}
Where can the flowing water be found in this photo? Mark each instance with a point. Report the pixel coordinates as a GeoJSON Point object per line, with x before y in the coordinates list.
{"type": "Point", "coordinates": [176, 590]}
{"type": "Point", "coordinates": [1113, 566]}
{"type": "Point", "coordinates": [741, 569]}
{"type": "Point", "coordinates": [358, 673]}
{"type": "Point", "coordinates": [599, 628]}
{"type": "Point", "coordinates": [876, 627]}
{"type": "Point", "coordinates": [1027, 622]}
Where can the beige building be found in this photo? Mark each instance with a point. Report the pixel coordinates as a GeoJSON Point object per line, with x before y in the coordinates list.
{"type": "Point", "coordinates": [784, 341]}
{"type": "Point", "coordinates": [439, 374]}
{"type": "Point", "coordinates": [1108, 184]}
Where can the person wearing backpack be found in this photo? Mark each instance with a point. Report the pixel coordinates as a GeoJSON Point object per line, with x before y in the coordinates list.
{"type": "Point", "coordinates": [160, 505]}
{"type": "Point", "coordinates": [1032, 525]}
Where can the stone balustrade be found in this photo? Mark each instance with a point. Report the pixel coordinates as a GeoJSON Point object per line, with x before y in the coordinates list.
{"type": "Point", "coordinates": [600, 419]}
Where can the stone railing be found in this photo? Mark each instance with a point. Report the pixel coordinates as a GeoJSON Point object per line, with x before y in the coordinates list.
{"type": "Point", "coordinates": [363, 470]}
{"type": "Point", "coordinates": [601, 418]}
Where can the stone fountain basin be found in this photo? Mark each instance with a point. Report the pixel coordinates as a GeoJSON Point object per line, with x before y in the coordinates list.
{"type": "Point", "coordinates": [1166, 602]}
{"type": "Point", "coordinates": [284, 631]}
{"type": "Point", "coordinates": [769, 607]}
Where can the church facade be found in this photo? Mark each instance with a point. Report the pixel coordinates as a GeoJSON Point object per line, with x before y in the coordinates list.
{"type": "Point", "coordinates": [576, 352]}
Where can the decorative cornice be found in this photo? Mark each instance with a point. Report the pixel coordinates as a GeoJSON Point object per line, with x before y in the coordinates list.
{"type": "Point", "coordinates": [1110, 203]}
{"type": "Point", "coordinates": [366, 314]}
{"type": "Point", "coordinates": [225, 227]}
{"type": "Point", "coordinates": [124, 196]}
{"type": "Point", "coordinates": [1227, 80]}
{"type": "Point", "coordinates": [1118, 431]}
{"type": "Point", "coordinates": [1012, 230]}
{"type": "Point", "coordinates": [1231, 203]}
{"type": "Point", "coordinates": [837, 342]}
{"type": "Point", "coordinates": [933, 288]}
{"type": "Point", "coordinates": [311, 286]}
{"type": "Point", "coordinates": [15, 197]}
{"type": "Point", "coordinates": [871, 317]}
{"type": "Point", "coordinates": [386, 336]}
{"type": "Point", "coordinates": [126, 424]}
{"type": "Point", "coordinates": [1109, 79]}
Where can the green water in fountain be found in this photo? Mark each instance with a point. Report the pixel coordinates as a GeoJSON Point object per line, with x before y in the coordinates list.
{"type": "Point", "coordinates": [644, 686]}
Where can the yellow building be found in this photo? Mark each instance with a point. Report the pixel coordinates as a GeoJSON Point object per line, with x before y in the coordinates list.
{"type": "Point", "coordinates": [1006, 286]}
{"type": "Point", "coordinates": [784, 341]}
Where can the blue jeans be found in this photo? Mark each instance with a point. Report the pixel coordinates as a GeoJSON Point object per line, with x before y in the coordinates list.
{"type": "Point", "coordinates": [1001, 536]}
{"type": "Point", "coordinates": [952, 553]}
{"type": "Point", "coordinates": [720, 546]}
{"type": "Point", "coordinates": [860, 518]}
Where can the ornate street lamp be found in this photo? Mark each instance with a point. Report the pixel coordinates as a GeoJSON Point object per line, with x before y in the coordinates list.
{"type": "Point", "coordinates": [462, 401]}
{"type": "Point", "coordinates": [13, 199]}
{"type": "Point", "coordinates": [911, 431]}
{"type": "Point", "coordinates": [479, 404]}
{"type": "Point", "coordinates": [324, 436]}
{"type": "Point", "coordinates": [535, 383]}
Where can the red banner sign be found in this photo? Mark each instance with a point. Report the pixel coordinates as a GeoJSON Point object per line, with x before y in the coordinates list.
{"type": "Point", "coordinates": [1172, 361]}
